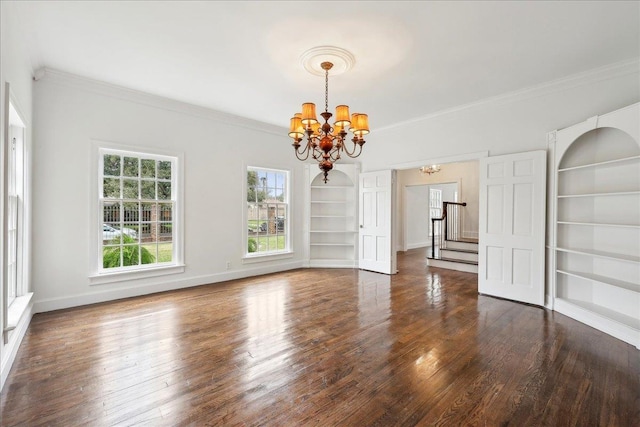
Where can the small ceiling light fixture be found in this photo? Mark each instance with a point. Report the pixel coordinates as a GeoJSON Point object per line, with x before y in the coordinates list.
{"type": "Point", "coordinates": [428, 170]}
{"type": "Point", "coordinates": [324, 142]}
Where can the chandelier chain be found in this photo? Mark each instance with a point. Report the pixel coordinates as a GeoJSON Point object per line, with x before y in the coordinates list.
{"type": "Point", "coordinates": [326, 90]}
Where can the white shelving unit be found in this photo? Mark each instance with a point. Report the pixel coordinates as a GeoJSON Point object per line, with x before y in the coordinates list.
{"type": "Point", "coordinates": [596, 228]}
{"type": "Point", "coordinates": [332, 217]}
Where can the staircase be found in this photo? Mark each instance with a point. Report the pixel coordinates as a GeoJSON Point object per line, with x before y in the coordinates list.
{"type": "Point", "coordinates": [448, 249]}
{"type": "Point", "coordinates": [460, 255]}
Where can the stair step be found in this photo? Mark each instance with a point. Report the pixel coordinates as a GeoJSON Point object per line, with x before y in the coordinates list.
{"type": "Point", "coordinates": [459, 254]}
{"type": "Point", "coordinates": [462, 261]}
{"type": "Point", "coordinates": [469, 267]}
{"type": "Point", "coordinates": [456, 244]}
{"type": "Point", "coordinates": [464, 251]}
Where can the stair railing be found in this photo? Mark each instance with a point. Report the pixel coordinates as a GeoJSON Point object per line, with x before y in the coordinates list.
{"type": "Point", "coordinates": [449, 229]}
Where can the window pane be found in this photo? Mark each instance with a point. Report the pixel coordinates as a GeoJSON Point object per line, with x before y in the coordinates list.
{"type": "Point", "coordinates": [130, 255]}
{"type": "Point", "coordinates": [148, 190]}
{"type": "Point", "coordinates": [131, 211]}
{"type": "Point", "coordinates": [165, 232]}
{"type": "Point", "coordinates": [111, 212]}
{"type": "Point", "coordinates": [111, 257]}
{"type": "Point", "coordinates": [111, 187]}
{"type": "Point", "coordinates": [165, 252]}
{"type": "Point", "coordinates": [130, 166]}
{"type": "Point", "coordinates": [130, 189]}
{"type": "Point", "coordinates": [111, 165]}
{"type": "Point", "coordinates": [164, 191]}
{"type": "Point", "coordinates": [148, 254]}
{"type": "Point", "coordinates": [164, 170]}
{"type": "Point", "coordinates": [111, 233]}
{"type": "Point", "coordinates": [166, 211]}
{"type": "Point", "coordinates": [148, 168]}
{"type": "Point", "coordinates": [148, 212]}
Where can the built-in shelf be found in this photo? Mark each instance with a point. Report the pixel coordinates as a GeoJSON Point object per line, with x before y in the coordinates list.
{"type": "Point", "coordinates": [596, 207]}
{"type": "Point", "coordinates": [618, 193]}
{"type": "Point", "coordinates": [598, 224]}
{"type": "Point", "coordinates": [607, 162]}
{"type": "Point", "coordinates": [606, 313]}
{"type": "Point", "coordinates": [332, 218]}
{"type": "Point", "coordinates": [634, 287]}
{"type": "Point", "coordinates": [601, 254]}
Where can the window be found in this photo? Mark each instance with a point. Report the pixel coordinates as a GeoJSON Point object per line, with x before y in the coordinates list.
{"type": "Point", "coordinates": [138, 209]}
{"type": "Point", "coordinates": [15, 207]}
{"type": "Point", "coordinates": [435, 208]}
{"type": "Point", "coordinates": [267, 211]}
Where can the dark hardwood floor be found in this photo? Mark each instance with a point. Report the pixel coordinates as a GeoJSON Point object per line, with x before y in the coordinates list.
{"type": "Point", "coordinates": [321, 347]}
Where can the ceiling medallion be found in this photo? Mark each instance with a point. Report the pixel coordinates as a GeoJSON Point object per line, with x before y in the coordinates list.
{"type": "Point", "coordinates": [342, 60]}
{"type": "Point", "coordinates": [325, 142]}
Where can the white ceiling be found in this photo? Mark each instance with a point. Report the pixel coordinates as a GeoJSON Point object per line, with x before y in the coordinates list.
{"type": "Point", "coordinates": [412, 58]}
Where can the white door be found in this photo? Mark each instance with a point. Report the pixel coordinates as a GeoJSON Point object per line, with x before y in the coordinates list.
{"type": "Point", "coordinates": [512, 226]}
{"type": "Point", "coordinates": [375, 243]}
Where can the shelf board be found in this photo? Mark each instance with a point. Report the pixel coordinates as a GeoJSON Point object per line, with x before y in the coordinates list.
{"type": "Point", "coordinates": [331, 244]}
{"type": "Point", "coordinates": [602, 279]}
{"type": "Point", "coordinates": [599, 224]}
{"type": "Point", "coordinates": [601, 254]}
{"type": "Point", "coordinates": [619, 193]}
{"type": "Point", "coordinates": [607, 162]}
{"type": "Point", "coordinates": [604, 312]}
{"type": "Point", "coordinates": [332, 231]}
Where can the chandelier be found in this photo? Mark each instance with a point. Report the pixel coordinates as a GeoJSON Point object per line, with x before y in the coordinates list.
{"type": "Point", "coordinates": [428, 170]}
{"type": "Point", "coordinates": [324, 143]}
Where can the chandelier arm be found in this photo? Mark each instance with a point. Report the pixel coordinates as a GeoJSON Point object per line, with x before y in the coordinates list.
{"type": "Point", "coordinates": [346, 149]}
{"type": "Point", "coordinates": [304, 153]}
{"type": "Point", "coordinates": [357, 149]}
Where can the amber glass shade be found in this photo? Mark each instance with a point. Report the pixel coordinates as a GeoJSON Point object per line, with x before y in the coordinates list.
{"type": "Point", "coordinates": [309, 113]}
{"type": "Point", "coordinates": [361, 125]}
{"type": "Point", "coordinates": [315, 127]}
{"type": "Point", "coordinates": [342, 115]}
{"type": "Point", "coordinates": [296, 130]}
{"type": "Point", "coordinates": [354, 118]}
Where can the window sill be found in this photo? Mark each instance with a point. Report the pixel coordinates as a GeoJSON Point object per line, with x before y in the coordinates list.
{"type": "Point", "coordinates": [16, 310]}
{"type": "Point", "coordinates": [267, 257]}
{"type": "Point", "coordinates": [121, 276]}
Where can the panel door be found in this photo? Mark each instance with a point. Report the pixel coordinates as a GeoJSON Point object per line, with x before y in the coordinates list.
{"type": "Point", "coordinates": [375, 244]}
{"type": "Point", "coordinates": [512, 226]}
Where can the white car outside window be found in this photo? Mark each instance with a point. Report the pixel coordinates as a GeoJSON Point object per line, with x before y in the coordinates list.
{"type": "Point", "coordinates": [109, 232]}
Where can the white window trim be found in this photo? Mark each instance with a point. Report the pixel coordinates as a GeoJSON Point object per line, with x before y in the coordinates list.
{"type": "Point", "coordinates": [97, 276]}
{"type": "Point", "coordinates": [14, 116]}
{"type": "Point", "coordinates": [256, 257]}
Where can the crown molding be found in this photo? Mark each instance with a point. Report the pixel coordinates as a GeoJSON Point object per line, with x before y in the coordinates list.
{"type": "Point", "coordinates": [585, 78]}
{"type": "Point", "coordinates": [114, 91]}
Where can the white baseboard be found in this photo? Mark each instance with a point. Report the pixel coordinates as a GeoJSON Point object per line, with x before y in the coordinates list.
{"type": "Point", "coordinates": [51, 304]}
{"type": "Point", "coordinates": [470, 234]}
{"type": "Point", "coordinates": [15, 339]}
{"type": "Point", "coordinates": [418, 245]}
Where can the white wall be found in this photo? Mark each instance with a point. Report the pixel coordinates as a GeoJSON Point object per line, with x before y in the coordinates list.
{"type": "Point", "coordinates": [15, 68]}
{"type": "Point", "coordinates": [72, 112]}
{"type": "Point", "coordinates": [508, 124]}
{"type": "Point", "coordinates": [415, 218]}
{"type": "Point", "coordinates": [465, 174]}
